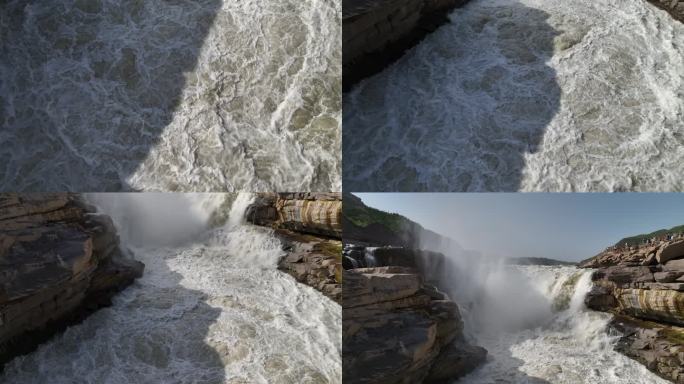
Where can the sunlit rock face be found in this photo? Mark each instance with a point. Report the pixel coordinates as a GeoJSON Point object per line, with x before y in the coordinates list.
{"type": "Point", "coordinates": [644, 286]}
{"type": "Point", "coordinates": [566, 96]}
{"type": "Point", "coordinates": [170, 95]}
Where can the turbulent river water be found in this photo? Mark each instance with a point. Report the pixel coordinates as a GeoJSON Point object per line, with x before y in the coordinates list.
{"type": "Point", "coordinates": [571, 95]}
{"type": "Point", "coordinates": [214, 95]}
{"type": "Point", "coordinates": [533, 322]}
{"type": "Point", "coordinates": [210, 308]}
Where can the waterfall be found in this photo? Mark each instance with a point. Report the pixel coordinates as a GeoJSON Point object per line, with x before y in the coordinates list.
{"type": "Point", "coordinates": [211, 306]}
{"type": "Point", "coordinates": [540, 331]}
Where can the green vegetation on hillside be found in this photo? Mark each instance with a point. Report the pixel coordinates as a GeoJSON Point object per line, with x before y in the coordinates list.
{"type": "Point", "coordinates": [634, 240]}
{"type": "Point", "coordinates": [362, 216]}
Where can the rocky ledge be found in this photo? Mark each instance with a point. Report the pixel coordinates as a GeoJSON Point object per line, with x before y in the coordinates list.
{"type": "Point", "coordinates": [59, 262]}
{"type": "Point", "coordinates": [398, 328]}
{"type": "Point", "coordinates": [378, 32]}
{"type": "Point", "coordinates": [310, 228]}
{"type": "Point", "coordinates": [644, 287]}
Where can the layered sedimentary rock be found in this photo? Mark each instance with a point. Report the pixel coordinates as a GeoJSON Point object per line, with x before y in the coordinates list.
{"type": "Point", "coordinates": [59, 261]}
{"type": "Point", "coordinates": [309, 224]}
{"type": "Point", "coordinates": [644, 286]}
{"type": "Point", "coordinates": [396, 327]}
{"type": "Point", "coordinates": [674, 7]}
{"type": "Point", "coordinates": [377, 32]}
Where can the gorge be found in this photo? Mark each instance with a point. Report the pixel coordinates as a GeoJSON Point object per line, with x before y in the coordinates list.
{"type": "Point", "coordinates": [210, 307]}
{"type": "Point", "coordinates": [461, 316]}
{"type": "Point", "coordinates": [525, 95]}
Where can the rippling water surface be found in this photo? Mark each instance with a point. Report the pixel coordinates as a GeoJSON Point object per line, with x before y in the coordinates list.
{"type": "Point", "coordinates": [533, 95]}
{"type": "Point", "coordinates": [109, 95]}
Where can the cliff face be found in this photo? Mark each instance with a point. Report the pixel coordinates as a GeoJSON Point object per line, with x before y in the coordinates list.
{"type": "Point", "coordinates": [644, 287]}
{"type": "Point", "coordinates": [59, 261]}
{"type": "Point", "coordinates": [376, 33]}
{"type": "Point", "coordinates": [397, 328]}
{"type": "Point", "coordinates": [309, 224]}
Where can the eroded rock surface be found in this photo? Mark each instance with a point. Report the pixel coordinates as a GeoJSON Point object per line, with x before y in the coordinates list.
{"type": "Point", "coordinates": [309, 224]}
{"type": "Point", "coordinates": [378, 32]}
{"type": "Point", "coordinates": [59, 261]}
{"type": "Point", "coordinates": [396, 327]}
{"type": "Point", "coordinates": [643, 286]}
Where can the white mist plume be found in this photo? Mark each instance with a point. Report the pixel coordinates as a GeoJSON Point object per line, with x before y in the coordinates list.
{"type": "Point", "coordinates": [157, 219]}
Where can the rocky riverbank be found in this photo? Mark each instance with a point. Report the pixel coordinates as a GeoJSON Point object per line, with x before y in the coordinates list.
{"type": "Point", "coordinates": [376, 33]}
{"type": "Point", "coordinates": [397, 326]}
{"type": "Point", "coordinates": [310, 227]}
{"type": "Point", "coordinates": [59, 262]}
{"type": "Point", "coordinates": [644, 287]}
{"type": "Point", "coordinates": [673, 7]}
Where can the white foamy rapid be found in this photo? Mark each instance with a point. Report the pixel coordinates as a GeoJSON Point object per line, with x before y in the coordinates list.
{"type": "Point", "coordinates": [209, 309]}
{"type": "Point", "coordinates": [214, 95]}
{"type": "Point", "coordinates": [533, 95]}
{"type": "Point", "coordinates": [533, 322]}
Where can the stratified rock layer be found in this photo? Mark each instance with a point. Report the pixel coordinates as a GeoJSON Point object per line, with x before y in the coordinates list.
{"type": "Point", "coordinates": [398, 329]}
{"type": "Point", "coordinates": [644, 287]}
{"type": "Point", "coordinates": [309, 224]}
{"type": "Point", "coordinates": [58, 262]}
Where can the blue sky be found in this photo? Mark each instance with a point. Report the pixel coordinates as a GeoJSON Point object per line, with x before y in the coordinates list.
{"type": "Point", "coordinates": [563, 226]}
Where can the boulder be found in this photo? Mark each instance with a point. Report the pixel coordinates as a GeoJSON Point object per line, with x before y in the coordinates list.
{"type": "Point", "coordinates": [600, 298]}
{"type": "Point", "coordinates": [667, 276]}
{"type": "Point", "coordinates": [671, 251]}
{"type": "Point", "coordinates": [456, 360]}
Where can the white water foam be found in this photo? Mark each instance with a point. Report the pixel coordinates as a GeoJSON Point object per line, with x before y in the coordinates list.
{"type": "Point", "coordinates": [214, 95]}
{"type": "Point", "coordinates": [532, 95]}
{"type": "Point", "coordinates": [553, 339]}
{"type": "Point", "coordinates": [213, 309]}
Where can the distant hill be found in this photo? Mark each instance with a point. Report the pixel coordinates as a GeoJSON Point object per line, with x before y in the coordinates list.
{"type": "Point", "coordinates": [362, 223]}
{"type": "Point", "coordinates": [634, 240]}
{"type": "Point", "coordinates": [536, 261]}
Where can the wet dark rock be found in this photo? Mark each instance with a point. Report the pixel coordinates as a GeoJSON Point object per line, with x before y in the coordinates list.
{"type": "Point", "coordinates": [378, 32]}
{"type": "Point", "coordinates": [59, 262]}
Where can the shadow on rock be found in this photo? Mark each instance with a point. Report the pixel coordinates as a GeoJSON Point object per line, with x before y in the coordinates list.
{"type": "Point", "coordinates": [154, 332]}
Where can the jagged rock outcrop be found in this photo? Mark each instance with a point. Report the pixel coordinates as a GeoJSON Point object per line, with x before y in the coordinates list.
{"type": "Point", "coordinates": [378, 32]}
{"type": "Point", "coordinates": [59, 261]}
{"type": "Point", "coordinates": [660, 348]}
{"type": "Point", "coordinates": [674, 7]}
{"type": "Point", "coordinates": [644, 287]}
{"type": "Point", "coordinates": [309, 224]}
{"type": "Point", "coordinates": [399, 329]}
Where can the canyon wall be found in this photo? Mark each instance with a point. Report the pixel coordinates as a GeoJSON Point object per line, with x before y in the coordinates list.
{"type": "Point", "coordinates": [644, 287]}
{"type": "Point", "coordinates": [376, 33]}
{"type": "Point", "coordinates": [59, 262]}
{"type": "Point", "coordinates": [398, 327]}
{"type": "Point", "coordinates": [310, 227]}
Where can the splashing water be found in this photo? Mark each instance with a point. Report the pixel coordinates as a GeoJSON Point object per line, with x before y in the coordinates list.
{"type": "Point", "coordinates": [212, 309]}
{"type": "Point", "coordinates": [214, 95]}
{"type": "Point", "coordinates": [557, 340]}
{"type": "Point", "coordinates": [532, 95]}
